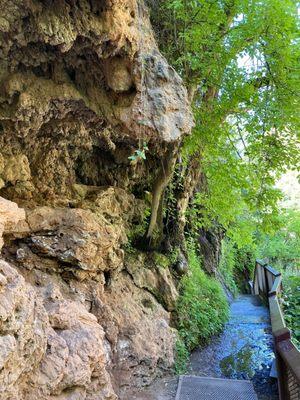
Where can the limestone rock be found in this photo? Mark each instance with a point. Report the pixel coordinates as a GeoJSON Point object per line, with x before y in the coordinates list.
{"type": "Point", "coordinates": [118, 75]}
{"type": "Point", "coordinates": [155, 278]}
{"type": "Point", "coordinates": [97, 324]}
{"type": "Point", "coordinates": [75, 237]}
{"type": "Point", "coordinates": [75, 357]}
{"type": "Point", "coordinates": [82, 88]}
{"type": "Point", "coordinates": [210, 244]}
{"type": "Point", "coordinates": [10, 215]}
{"type": "Point", "coordinates": [84, 241]}
{"type": "Point", "coordinates": [49, 347]}
{"type": "Point", "coordinates": [23, 325]}
{"type": "Point", "coordinates": [101, 324]}
{"type": "Point", "coordinates": [69, 74]}
{"type": "Point", "coordinates": [16, 168]}
{"type": "Point", "coordinates": [138, 329]}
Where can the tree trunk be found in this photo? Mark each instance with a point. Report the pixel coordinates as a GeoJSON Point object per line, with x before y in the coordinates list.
{"type": "Point", "coordinates": [160, 184]}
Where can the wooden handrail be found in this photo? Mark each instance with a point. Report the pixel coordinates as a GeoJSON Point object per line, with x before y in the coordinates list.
{"type": "Point", "coordinates": [276, 314]}
{"type": "Point", "coordinates": [290, 354]}
{"type": "Point", "coordinates": [267, 282]}
{"type": "Point", "coordinates": [272, 270]}
{"type": "Point", "coordinates": [276, 288]}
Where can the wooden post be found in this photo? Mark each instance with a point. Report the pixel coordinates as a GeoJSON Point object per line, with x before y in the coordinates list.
{"type": "Point", "coordinates": [280, 336]}
{"type": "Point", "coordinates": [266, 282]}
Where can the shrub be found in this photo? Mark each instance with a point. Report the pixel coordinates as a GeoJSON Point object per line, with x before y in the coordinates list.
{"type": "Point", "coordinates": [282, 246]}
{"type": "Point", "coordinates": [227, 266]}
{"type": "Point", "coordinates": [181, 356]}
{"type": "Point", "coordinates": [237, 265]}
{"type": "Point", "coordinates": [291, 304]}
{"type": "Point", "coordinates": [202, 307]}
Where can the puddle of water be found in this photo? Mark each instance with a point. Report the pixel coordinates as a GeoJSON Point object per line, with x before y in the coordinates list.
{"type": "Point", "coordinates": [241, 365]}
{"type": "Point", "coordinates": [246, 350]}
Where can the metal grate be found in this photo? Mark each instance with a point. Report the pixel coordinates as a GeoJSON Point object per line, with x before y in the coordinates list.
{"type": "Point", "coordinates": [200, 388]}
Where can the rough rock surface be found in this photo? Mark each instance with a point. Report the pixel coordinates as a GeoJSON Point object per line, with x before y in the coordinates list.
{"type": "Point", "coordinates": [138, 330]}
{"type": "Point", "coordinates": [210, 245]}
{"type": "Point", "coordinates": [157, 278]}
{"type": "Point", "coordinates": [10, 215]}
{"type": "Point", "coordinates": [82, 87]}
{"type": "Point", "coordinates": [49, 346]}
{"type": "Point", "coordinates": [82, 84]}
{"type": "Point", "coordinates": [73, 322]}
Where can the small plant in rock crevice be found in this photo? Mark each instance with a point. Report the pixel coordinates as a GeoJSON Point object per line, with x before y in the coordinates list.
{"type": "Point", "coordinates": [137, 230]}
{"type": "Point", "coordinates": [139, 154]}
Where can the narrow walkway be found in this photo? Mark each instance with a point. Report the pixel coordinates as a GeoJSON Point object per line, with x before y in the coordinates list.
{"type": "Point", "coordinates": [244, 351]}
{"type": "Point", "coordinates": [199, 388]}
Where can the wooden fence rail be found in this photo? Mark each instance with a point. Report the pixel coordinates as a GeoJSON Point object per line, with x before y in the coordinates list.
{"type": "Point", "coordinates": [267, 283]}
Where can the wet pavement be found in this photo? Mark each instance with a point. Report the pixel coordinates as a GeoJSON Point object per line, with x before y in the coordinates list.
{"type": "Point", "coordinates": [243, 351]}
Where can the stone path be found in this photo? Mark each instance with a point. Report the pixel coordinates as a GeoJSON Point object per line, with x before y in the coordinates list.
{"type": "Point", "coordinates": [162, 389]}
{"type": "Point", "coordinates": [244, 351]}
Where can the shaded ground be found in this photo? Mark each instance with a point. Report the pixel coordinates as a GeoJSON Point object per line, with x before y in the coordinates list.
{"type": "Point", "coordinates": [162, 389]}
{"type": "Point", "coordinates": [243, 351]}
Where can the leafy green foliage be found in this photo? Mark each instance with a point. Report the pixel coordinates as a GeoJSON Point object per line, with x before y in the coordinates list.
{"type": "Point", "coordinates": [282, 248]}
{"type": "Point", "coordinates": [227, 266]}
{"type": "Point", "coordinates": [291, 297]}
{"type": "Point", "coordinates": [139, 154]}
{"type": "Point", "coordinates": [202, 307]}
{"type": "Point", "coordinates": [238, 59]}
{"type": "Point", "coordinates": [237, 265]}
{"type": "Point", "coordinates": [181, 357]}
{"type": "Point", "coordinates": [138, 230]}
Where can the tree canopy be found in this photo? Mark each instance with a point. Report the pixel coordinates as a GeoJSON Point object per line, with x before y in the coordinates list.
{"type": "Point", "coordinates": [239, 61]}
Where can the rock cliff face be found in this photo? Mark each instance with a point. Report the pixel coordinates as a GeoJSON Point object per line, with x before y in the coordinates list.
{"type": "Point", "coordinates": [82, 85]}
{"type": "Point", "coordinates": [82, 88]}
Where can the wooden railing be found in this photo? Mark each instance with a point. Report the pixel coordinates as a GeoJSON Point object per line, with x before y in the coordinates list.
{"type": "Point", "coordinates": [267, 283]}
